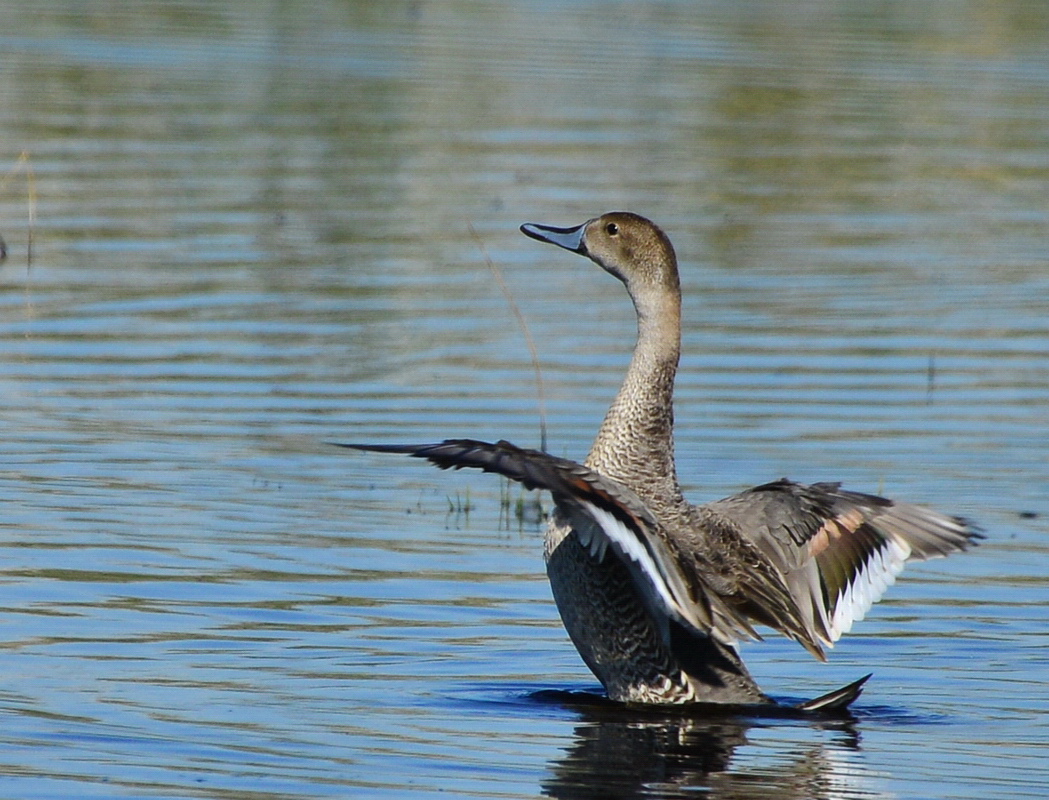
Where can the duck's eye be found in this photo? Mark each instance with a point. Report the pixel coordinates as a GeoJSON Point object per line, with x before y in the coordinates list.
{"type": "Point", "coordinates": [611, 229]}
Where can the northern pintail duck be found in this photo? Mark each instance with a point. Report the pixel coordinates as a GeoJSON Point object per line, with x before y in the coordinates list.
{"type": "Point", "coordinates": [656, 592]}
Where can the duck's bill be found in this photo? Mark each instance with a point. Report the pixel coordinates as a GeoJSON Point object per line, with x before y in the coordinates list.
{"type": "Point", "coordinates": [568, 238]}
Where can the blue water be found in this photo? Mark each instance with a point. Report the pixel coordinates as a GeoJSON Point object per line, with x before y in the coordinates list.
{"type": "Point", "coordinates": [251, 236]}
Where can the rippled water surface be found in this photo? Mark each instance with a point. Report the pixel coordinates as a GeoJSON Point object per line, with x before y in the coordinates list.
{"type": "Point", "coordinates": [251, 236]}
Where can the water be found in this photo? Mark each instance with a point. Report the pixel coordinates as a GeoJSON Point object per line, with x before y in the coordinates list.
{"type": "Point", "coordinates": [252, 237]}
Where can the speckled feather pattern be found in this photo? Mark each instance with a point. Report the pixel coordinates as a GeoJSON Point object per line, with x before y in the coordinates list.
{"type": "Point", "coordinates": [734, 547]}
{"type": "Point", "coordinates": [655, 592]}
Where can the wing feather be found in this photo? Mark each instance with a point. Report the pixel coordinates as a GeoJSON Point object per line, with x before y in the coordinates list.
{"type": "Point", "coordinates": [838, 551]}
{"type": "Point", "coordinates": [607, 517]}
{"type": "Point", "coordinates": [809, 561]}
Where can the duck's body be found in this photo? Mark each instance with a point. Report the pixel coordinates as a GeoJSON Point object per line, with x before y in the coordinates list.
{"type": "Point", "coordinates": [623, 645]}
{"type": "Point", "coordinates": [654, 591]}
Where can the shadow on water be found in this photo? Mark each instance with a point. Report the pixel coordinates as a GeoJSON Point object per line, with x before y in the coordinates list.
{"type": "Point", "coordinates": [626, 752]}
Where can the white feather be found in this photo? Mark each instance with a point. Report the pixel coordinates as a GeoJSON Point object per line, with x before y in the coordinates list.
{"type": "Point", "coordinates": [867, 586]}
{"type": "Point", "coordinates": [666, 588]}
{"type": "Point", "coordinates": [632, 547]}
{"type": "Point", "coordinates": [592, 537]}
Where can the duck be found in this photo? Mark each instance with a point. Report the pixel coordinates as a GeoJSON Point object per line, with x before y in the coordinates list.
{"type": "Point", "coordinates": [657, 593]}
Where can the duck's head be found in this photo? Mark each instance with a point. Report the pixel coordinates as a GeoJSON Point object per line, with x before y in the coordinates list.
{"type": "Point", "coordinates": [627, 245]}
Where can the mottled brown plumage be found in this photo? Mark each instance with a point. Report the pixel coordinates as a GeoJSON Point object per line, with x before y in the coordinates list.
{"type": "Point", "coordinates": [782, 554]}
{"type": "Point", "coordinates": [655, 592]}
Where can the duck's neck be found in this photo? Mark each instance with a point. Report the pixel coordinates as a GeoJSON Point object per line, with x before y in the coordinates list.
{"type": "Point", "coordinates": [635, 444]}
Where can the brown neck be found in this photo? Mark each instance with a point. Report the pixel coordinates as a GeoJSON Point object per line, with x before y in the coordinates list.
{"type": "Point", "coordinates": [635, 444]}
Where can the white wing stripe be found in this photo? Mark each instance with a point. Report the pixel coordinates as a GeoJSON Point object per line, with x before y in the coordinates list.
{"type": "Point", "coordinates": [668, 588]}
{"type": "Point", "coordinates": [628, 542]}
{"type": "Point", "coordinates": [867, 586]}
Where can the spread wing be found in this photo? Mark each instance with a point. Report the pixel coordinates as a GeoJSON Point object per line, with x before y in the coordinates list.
{"type": "Point", "coordinates": [607, 516]}
{"type": "Point", "coordinates": [837, 551]}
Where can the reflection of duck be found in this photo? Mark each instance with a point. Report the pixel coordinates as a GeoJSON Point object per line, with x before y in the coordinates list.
{"type": "Point", "coordinates": [618, 754]}
{"type": "Point", "coordinates": [655, 592]}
